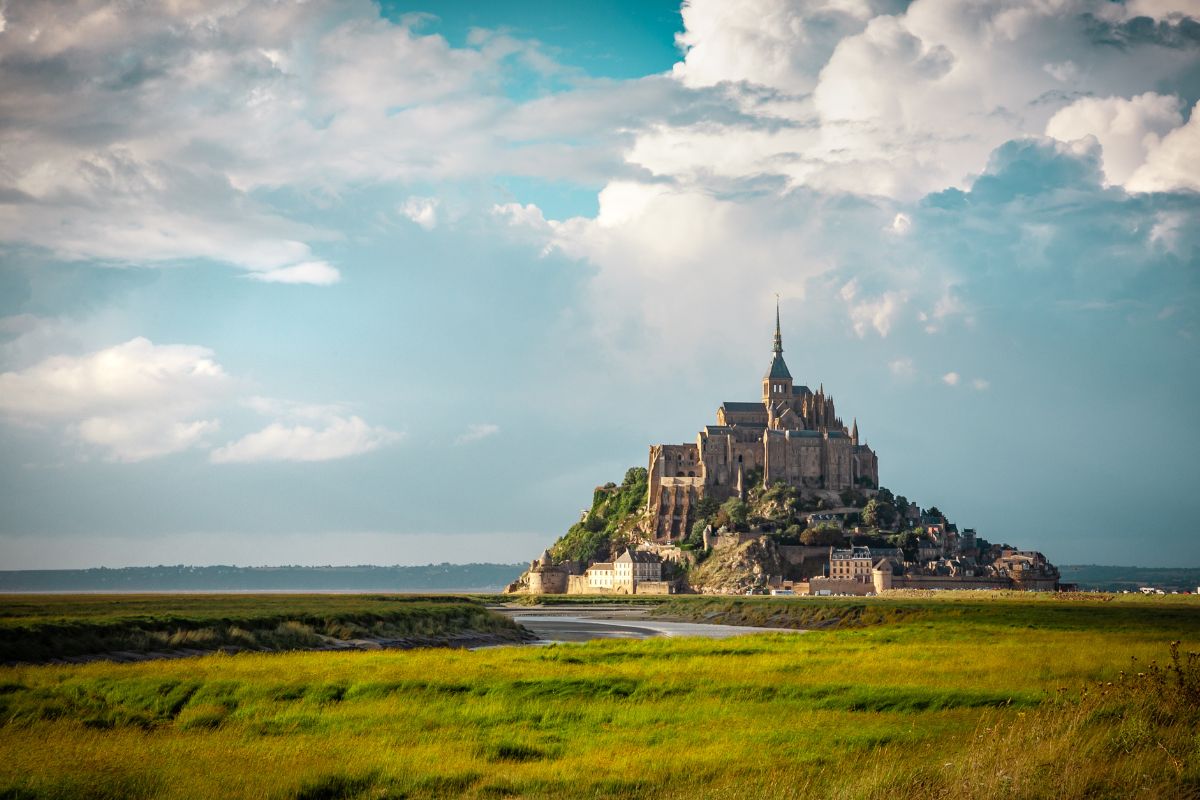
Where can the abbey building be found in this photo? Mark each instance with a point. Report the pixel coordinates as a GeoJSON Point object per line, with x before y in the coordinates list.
{"type": "Point", "coordinates": [792, 435]}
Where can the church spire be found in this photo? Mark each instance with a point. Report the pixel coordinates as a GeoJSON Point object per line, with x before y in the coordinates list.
{"type": "Point", "coordinates": [777, 383]}
{"type": "Point", "coordinates": [854, 431]}
{"type": "Point", "coordinates": [778, 337]}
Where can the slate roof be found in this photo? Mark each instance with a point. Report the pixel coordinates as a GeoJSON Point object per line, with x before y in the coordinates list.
{"type": "Point", "coordinates": [737, 406]}
{"type": "Point", "coordinates": [778, 368]}
{"type": "Point", "coordinates": [639, 557]}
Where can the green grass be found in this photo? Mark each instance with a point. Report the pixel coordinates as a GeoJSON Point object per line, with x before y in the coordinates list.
{"type": "Point", "coordinates": [38, 628]}
{"type": "Point", "coordinates": [911, 698]}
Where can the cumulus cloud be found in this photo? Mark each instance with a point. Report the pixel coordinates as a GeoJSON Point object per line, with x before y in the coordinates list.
{"type": "Point", "coordinates": [1128, 129]}
{"type": "Point", "coordinates": [315, 273]}
{"type": "Point", "coordinates": [304, 432]}
{"type": "Point", "coordinates": [902, 367]}
{"type": "Point", "coordinates": [338, 437]}
{"type": "Point", "coordinates": [951, 378]}
{"type": "Point", "coordinates": [476, 432]}
{"type": "Point", "coordinates": [145, 135]}
{"type": "Point", "coordinates": [980, 384]}
{"type": "Point", "coordinates": [1174, 163]}
{"type": "Point", "coordinates": [133, 401]}
{"type": "Point", "coordinates": [876, 313]}
{"type": "Point", "coordinates": [902, 99]}
{"type": "Point", "coordinates": [423, 211]}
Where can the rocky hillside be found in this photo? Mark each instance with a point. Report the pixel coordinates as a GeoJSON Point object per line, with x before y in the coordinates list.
{"type": "Point", "coordinates": [608, 526]}
{"type": "Point", "coordinates": [739, 569]}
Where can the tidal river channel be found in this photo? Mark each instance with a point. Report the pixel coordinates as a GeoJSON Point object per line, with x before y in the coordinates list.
{"type": "Point", "coordinates": [576, 624]}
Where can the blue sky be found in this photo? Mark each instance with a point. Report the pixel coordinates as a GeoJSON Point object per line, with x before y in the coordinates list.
{"type": "Point", "coordinates": [342, 283]}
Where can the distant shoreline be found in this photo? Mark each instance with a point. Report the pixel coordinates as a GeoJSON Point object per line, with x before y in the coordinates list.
{"type": "Point", "coordinates": [177, 579]}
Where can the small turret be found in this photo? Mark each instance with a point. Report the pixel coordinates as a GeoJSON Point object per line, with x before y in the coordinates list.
{"type": "Point", "coordinates": [854, 431]}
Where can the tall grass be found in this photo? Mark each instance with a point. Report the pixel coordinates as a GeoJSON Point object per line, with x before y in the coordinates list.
{"type": "Point", "coordinates": [42, 628]}
{"type": "Point", "coordinates": [921, 706]}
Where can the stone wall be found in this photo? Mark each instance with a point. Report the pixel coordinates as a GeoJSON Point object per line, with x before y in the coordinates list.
{"type": "Point", "coordinates": [548, 581]}
{"type": "Point", "coordinates": [818, 585]}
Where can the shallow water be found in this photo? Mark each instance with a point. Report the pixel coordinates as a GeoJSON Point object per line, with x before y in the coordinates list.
{"type": "Point", "coordinates": [575, 628]}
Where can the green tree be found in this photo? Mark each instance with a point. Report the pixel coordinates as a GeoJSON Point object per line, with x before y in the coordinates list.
{"type": "Point", "coordinates": [825, 535]}
{"type": "Point", "coordinates": [790, 535]}
{"type": "Point", "coordinates": [707, 508]}
{"type": "Point", "coordinates": [695, 538]}
{"type": "Point", "coordinates": [879, 514]}
{"type": "Point", "coordinates": [738, 511]}
{"type": "Point", "coordinates": [907, 541]}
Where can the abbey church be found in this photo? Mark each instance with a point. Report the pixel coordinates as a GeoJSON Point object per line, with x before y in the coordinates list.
{"type": "Point", "coordinates": [792, 435]}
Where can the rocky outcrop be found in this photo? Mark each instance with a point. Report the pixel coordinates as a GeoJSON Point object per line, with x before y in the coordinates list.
{"type": "Point", "coordinates": [748, 566]}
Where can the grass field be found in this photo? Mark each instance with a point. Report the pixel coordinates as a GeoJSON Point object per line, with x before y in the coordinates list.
{"type": "Point", "coordinates": [38, 628]}
{"type": "Point", "coordinates": [911, 697]}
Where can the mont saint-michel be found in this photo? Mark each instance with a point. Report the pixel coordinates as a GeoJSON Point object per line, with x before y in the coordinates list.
{"type": "Point", "coordinates": [792, 436]}
{"type": "Point", "coordinates": [777, 496]}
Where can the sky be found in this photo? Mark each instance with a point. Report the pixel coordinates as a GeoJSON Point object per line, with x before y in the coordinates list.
{"type": "Point", "coordinates": [339, 283]}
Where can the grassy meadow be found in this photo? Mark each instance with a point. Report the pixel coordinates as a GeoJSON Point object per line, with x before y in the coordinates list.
{"type": "Point", "coordinates": [38, 628]}
{"type": "Point", "coordinates": [910, 697]}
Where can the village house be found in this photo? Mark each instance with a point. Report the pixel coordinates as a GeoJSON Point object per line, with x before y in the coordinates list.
{"type": "Point", "coordinates": [634, 567]}
{"type": "Point", "coordinates": [855, 563]}
{"type": "Point", "coordinates": [599, 576]}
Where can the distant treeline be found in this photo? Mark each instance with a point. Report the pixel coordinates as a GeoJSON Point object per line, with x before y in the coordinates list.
{"type": "Point", "coordinates": [1116, 579]}
{"type": "Point", "coordinates": [433, 577]}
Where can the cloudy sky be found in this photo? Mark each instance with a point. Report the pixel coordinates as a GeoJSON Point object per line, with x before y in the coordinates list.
{"type": "Point", "coordinates": [331, 282]}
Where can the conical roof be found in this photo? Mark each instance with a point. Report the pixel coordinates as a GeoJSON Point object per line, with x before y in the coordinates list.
{"type": "Point", "coordinates": [778, 367]}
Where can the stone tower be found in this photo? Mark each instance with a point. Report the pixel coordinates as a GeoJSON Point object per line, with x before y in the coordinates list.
{"type": "Point", "coordinates": [777, 383]}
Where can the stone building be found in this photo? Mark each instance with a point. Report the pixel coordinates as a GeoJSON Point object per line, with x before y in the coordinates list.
{"type": "Point", "coordinates": [599, 576]}
{"type": "Point", "coordinates": [856, 563]}
{"type": "Point", "coordinates": [635, 567]}
{"type": "Point", "coordinates": [792, 434]}
{"type": "Point", "coordinates": [546, 577]}
{"type": "Point", "coordinates": [633, 572]}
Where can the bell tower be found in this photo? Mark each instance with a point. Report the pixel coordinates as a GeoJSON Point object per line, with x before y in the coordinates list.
{"type": "Point", "coordinates": [777, 383]}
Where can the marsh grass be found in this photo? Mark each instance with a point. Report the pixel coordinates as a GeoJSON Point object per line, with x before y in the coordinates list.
{"type": "Point", "coordinates": [36, 628]}
{"type": "Point", "coordinates": [1022, 701]}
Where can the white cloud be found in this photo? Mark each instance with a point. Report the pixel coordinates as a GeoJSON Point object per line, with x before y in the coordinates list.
{"type": "Point", "coordinates": [778, 44]}
{"type": "Point", "coordinates": [316, 273]}
{"type": "Point", "coordinates": [980, 384]}
{"type": "Point", "coordinates": [153, 134]}
{"type": "Point", "coordinates": [1127, 129]}
{"type": "Point", "coordinates": [421, 210]}
{"type": "Point", "coordinates": [951, 379]}
{"type": "Point", "coordinates": [877, 313]}
{"type": "Point", "coordinates": [476, 432]}
{"type": "Point", "coordinates": [902, 368]}
{"type": "Point", "coordinates": [860, 97]}
{"type": "Point", "coordinates": [340, 437]}
{"type": "Point", "coordinates": [1174, 163]}
{"type": "Point", "coordinates": [525, 216]}
{"type": "Point", "coordinates": [139, 438]}
{"type": "Point", "coordinates": [133, 401]}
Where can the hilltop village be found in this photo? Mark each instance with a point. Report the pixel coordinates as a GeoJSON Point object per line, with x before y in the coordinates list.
{"type": "Point", "coordinates": [780, 497]}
